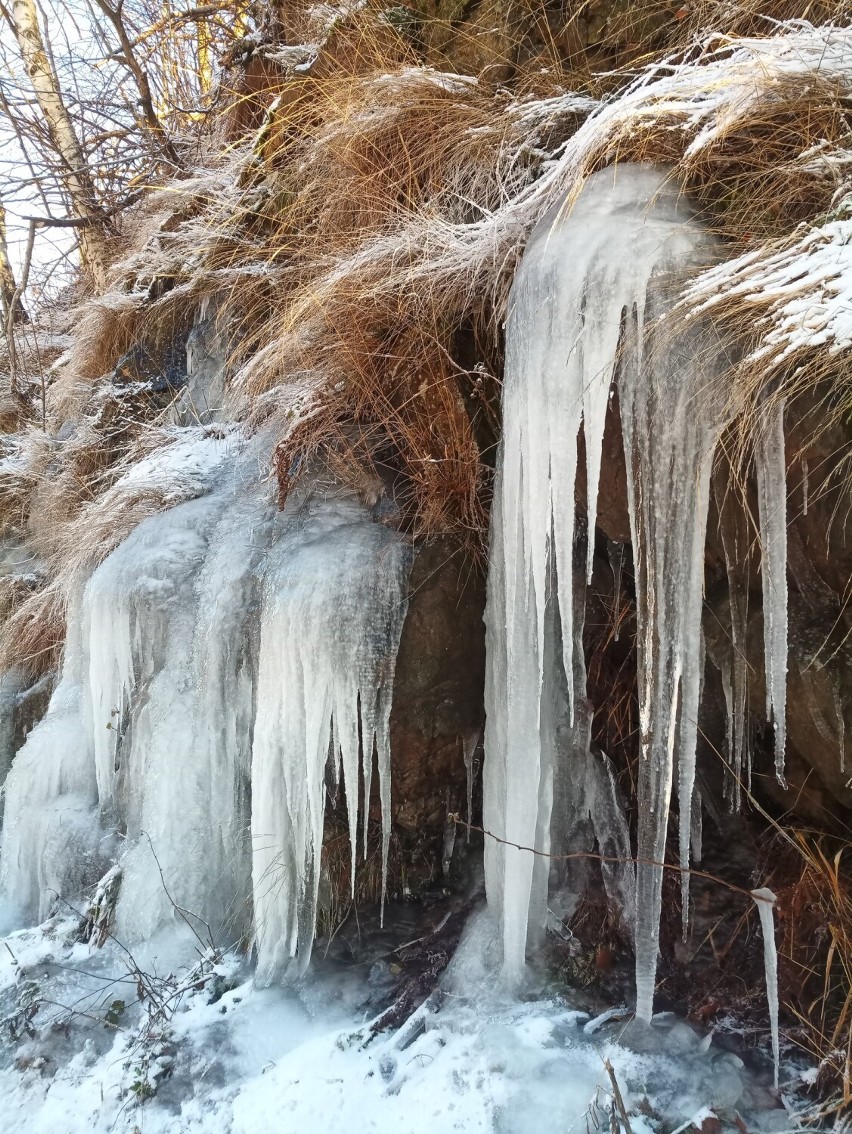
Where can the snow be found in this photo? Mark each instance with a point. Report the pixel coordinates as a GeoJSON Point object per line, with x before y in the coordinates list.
{"type": "Point", "coordinates": [582, 319]}
{"type": "Point", "coordinates": [228, 1057]}
{"type": "Point", "coordinates": [800, 289]}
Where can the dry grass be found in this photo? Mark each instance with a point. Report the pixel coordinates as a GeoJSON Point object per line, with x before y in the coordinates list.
{"type": "Point", "coordinates": [338, 896]}
{"type": "Point", "coordinates": [362, 240]}
{"type": "Point", "coordinates": [815, 958]}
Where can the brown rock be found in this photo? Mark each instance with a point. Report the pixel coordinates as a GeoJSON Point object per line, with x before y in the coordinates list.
{"type": "Point", "coordinates": [438, 689]}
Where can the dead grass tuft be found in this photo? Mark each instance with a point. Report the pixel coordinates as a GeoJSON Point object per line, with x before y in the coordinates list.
{"type": "Point", "coordinates": [815, 959]}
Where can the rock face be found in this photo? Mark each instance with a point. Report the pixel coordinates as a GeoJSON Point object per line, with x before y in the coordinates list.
{"type": "Point", "coordinates": [203, 397]}
{"type": "Point", "coordinates": [438, 690]}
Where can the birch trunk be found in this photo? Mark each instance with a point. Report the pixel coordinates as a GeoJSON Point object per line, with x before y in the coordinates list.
{"type": "Point", "coordinates": [10, 300]}
{"type": "Point", "coordinates": [75, 174]}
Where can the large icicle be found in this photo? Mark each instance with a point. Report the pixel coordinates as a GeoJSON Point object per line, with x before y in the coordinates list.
{"type": "Point", "coordinates": [186, 757]}
{"type": "Point", "coordinates": [772, 508]}
{"type": "Point", "coordinates": [673, 412]}
{"type": "Point", "coordinates": [582, 314]}
{"type": "Point", "coordinates": [335, 599]}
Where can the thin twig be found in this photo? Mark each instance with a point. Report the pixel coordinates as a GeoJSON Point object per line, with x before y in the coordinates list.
{"type": "Point", "coordinates": [616, 1094]}
{"type": "Point", "coordinates": [456, 818]}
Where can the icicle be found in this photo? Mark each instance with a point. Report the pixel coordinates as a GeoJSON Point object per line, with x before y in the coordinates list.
{"type": "Point", "coordinates": [735, 538]}
{"type": "Point", "coordinates": [608, 814]}
{"type": "Point", "coordinates": [729, 782]}
{"type": "Point", "coordinates": [615, 552]}
{"type": "Point", "coordinates": [765, 901]}
{"type": "Point", "coordinates": [772, 508]}
{"type": "Point", "coordinates": [673, 411]}
{"type": "Point", "coordinates": [697, 827]}
{"type": "Point", "coordinates": [333, 609]}
{"type": "Point", "coordinates": [568, 306]}
{"type": "Point", "coordinates": [688, 733]}
{"type": "Point", "coordinates": [470, 743]}
{"type": "Point", "coordinates": [199, 702]}
{"type": "Point", "coordinates": [841, 721]}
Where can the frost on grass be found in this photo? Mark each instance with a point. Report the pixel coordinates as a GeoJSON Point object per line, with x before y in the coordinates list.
{"type": "Point", "coordinates": [799, 289]}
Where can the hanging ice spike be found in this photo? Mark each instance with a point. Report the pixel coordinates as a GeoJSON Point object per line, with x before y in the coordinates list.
{"type": "Point", "coordinates": [584, 317]}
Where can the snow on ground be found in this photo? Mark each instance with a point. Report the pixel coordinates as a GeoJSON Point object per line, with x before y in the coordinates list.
{"type": "Point", "coordinates": [232, 1058]}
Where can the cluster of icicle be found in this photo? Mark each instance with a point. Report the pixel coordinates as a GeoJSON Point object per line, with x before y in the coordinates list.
{"type": "Point", "coordinates": [220, 664]}
{"type": "Point", "coordinates": [586, 322]}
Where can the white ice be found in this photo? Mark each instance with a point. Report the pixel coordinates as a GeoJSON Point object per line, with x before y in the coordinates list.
{"type": "Point", "coordinates": [334, 604]}
{"type": "Point", "coordinates": [586, 317]}
{"type": "Point", "coordinates": [208, 659]}
{"type": "Point", "coordinates": [765, 901]}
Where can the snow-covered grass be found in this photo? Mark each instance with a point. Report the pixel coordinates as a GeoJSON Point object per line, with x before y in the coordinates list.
{"type": "Point", "coordinates": [800, 295]}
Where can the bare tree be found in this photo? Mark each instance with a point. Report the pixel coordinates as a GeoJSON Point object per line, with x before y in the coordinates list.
{"type": "Point", "coordinates": [127, 57]}
{"type": "Point", "coordinates": [75, 173]}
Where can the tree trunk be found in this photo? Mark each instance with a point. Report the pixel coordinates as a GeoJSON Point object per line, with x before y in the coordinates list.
{"type": "Point", "coordinates": [10, 301]}
{"type": "Point", "coordinates": [75, 174]}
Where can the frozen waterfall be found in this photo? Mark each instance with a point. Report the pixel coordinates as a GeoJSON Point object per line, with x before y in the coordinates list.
{"type": "Point", "coordinates": [330, 627]}
{"type": "Point", "coordinates": [214, 662]}
{"type": "Point", "coordinates": [586, 321]}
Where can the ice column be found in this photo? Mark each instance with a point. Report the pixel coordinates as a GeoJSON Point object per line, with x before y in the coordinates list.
{"type": "Point", "coordinates": [585, 316]}
{"type": "Point", "coordinates": [334, 604]}
{"type": "Point", "coordinates": [772, 509]}
{"type": "Point", "coordinates": [765, 901]}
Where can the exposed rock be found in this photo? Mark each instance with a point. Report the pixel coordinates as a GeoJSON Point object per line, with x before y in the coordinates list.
{"type": "Point", "coordinates": [206, 374]}
{"type": "Point", "coordinates": [438, 690]}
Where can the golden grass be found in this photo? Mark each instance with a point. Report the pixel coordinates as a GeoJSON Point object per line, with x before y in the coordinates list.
{"type": "Point", "coordinates": [815, 956]}
{"type": "Point", "coordinates": [363, 239]}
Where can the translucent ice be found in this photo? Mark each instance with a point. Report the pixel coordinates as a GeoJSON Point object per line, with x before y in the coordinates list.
{"type": "Point", "coordinates": [584, 316]}
{"type": "Point", "coordinates": [772, 507]}
{"type": "Point", "coordinates": [334, 603]}
{"type": "Point", "coordinates": [213, 662]}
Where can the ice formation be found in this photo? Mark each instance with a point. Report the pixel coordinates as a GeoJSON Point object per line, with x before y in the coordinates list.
{"type": "Point", "coordinates": [586, 318]}
{"type": "Point", "coordinates": [765, 900]}
{"type": "Point", "coordinates": [336, 581]}
{"type": "Point", "coordinates": [187, 735]}
{"type": "Point", "coordinates": [772, 508]}
{"type": "Point", "coordinates": [732, 660]}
